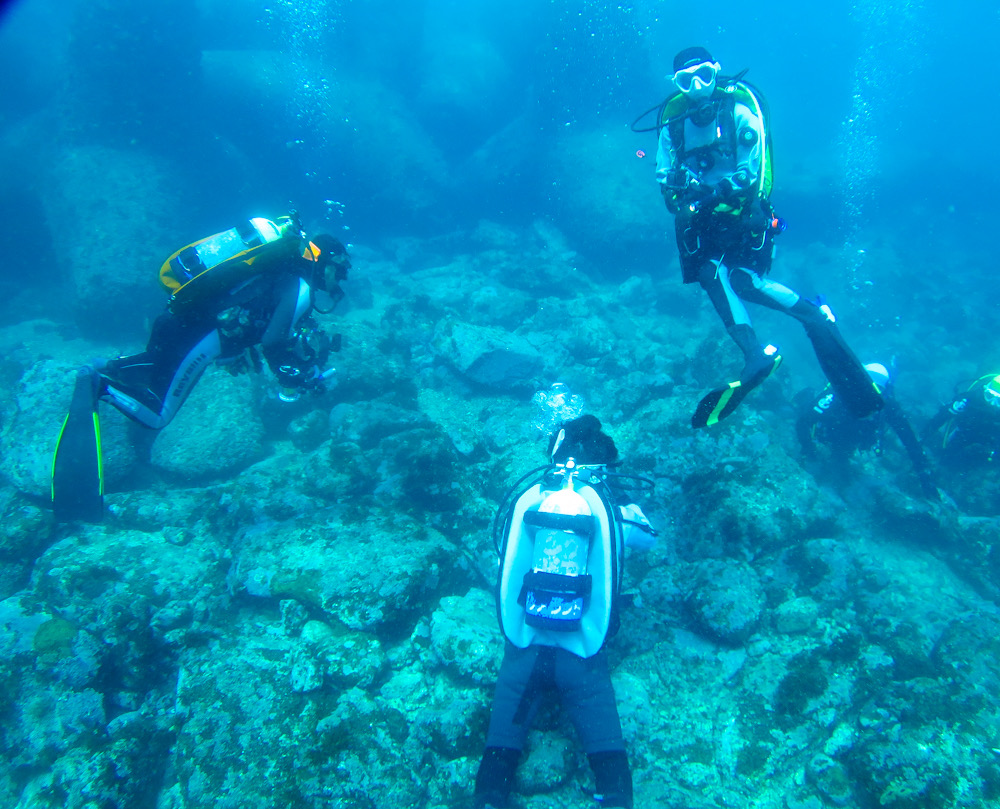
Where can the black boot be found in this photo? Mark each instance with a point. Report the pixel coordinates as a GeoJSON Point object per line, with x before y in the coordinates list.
{"type": "Point", "coordinates": [757, 362]}
{"type": "Point", "coordinates": [495, 777]}
{"type": "Point", "coordinates": [613, 779]}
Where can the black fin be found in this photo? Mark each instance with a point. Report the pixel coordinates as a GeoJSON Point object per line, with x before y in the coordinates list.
{"type": "Point", "coordinates": [847, 376]}
{"type": "Point", "coordinates": [722, 402]}
{"type": "Point", "coordinates": [77, 475]}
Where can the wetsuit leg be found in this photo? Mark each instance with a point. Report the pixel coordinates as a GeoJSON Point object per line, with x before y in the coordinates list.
{"type": "Point", "coordinates": [524, 677]}
{"type": "Point", "coordinates": [495, 777]}
{"type": "Point", "coordinates": [586, 692]}
{"type": "Point", "coordinates": [753, 288]}
{"type": "Point", "coordinates": [715, 279]}
{"type": "Point", "coordinates": [840, 365]}
{"type": "Point", "coordinates": [613, 778]}
{"type": "Point", "coordinates": [150, 387]}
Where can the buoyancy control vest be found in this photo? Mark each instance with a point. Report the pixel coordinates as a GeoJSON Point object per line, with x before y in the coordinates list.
{"type": "Point", "coordinates": [202, 270]}
{"type": "Point", "coordinates": [561, 560]}
{"type": "Point", "coordinates": [675, 110]}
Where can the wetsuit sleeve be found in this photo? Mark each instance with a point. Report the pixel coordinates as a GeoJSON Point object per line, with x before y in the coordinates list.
{"type": "Point", "coordinates": [638, 533]}
{"type": "Point", "coordinates": [666, 157]}
{"type": "Point", "coordinates": [901, 426]}
{"type": "Point", "coordinates": [291, 305]}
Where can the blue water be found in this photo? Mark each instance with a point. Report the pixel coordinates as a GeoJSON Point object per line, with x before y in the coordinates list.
{"type": "Point", "coordinates": [505, 81]}
{"type": "Point", "coordinates": [401, 125]}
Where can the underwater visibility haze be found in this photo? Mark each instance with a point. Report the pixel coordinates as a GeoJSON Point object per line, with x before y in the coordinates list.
{"type": "Point", "coordinates": [287, 596]}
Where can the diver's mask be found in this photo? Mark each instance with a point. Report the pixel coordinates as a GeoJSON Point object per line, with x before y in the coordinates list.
{"type": "Point", "coordinates": [698, 81]}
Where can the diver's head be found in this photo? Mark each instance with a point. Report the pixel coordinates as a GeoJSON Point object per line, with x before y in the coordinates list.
{"type": "Point", "coordinates": [991, 392]}
{"type": "Point", "coordinates": [694, 73]}
{"type": "Point", "coordinates": [582, 440]}
{"type": "Point", "coordinates": [879, 374]}
{"type": "Point", "coordinates": [331, 258]}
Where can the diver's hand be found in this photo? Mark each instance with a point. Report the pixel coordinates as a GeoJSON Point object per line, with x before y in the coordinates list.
{"type": "Point", "coordinates": [324, 381]}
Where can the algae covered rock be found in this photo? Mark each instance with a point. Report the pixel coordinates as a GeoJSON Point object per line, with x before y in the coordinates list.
{"type": "Point", "coordinates": [367, 571]}
{"type": "Point", "coordinates": [335, 655]}
{"type": "Point", "coordinates": [726, 599]}
{"type": "Point", "coordinates": [796, 615]}
{"type": "Point", "coordinates": [465, 636]}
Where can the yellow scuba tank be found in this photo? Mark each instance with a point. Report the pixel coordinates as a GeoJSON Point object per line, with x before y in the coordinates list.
{"type": "Point", "coordinates": [221, 260]}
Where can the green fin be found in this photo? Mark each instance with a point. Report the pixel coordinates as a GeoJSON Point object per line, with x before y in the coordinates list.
{"type": "Point", "coordinates": [77, 473]}
{"type": "Point", "coordinates": [722, 402]}
{"type": "Point", "coordinates": [847, 376]}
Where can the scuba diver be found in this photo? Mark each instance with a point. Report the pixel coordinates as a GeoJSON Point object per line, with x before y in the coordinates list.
{"type": "Point", "coordinates": [824, 420]}
{"type": "Point", "coordinates": [561, 544]}
{"type": "Point", "coordinates": [713, 163]}
{"type": "Point", "coordinates": [970, 425]}
{"type": "Point", "coordinates": [253, 285]}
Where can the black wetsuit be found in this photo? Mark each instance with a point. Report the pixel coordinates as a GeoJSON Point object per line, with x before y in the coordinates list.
{"type": "Point", "coordinates": [969, 426]}
{"type": "Point", "coordinates": [712, 172]}
{"type": "Point", "coordinates": [724, 230]}
{"type": "Point", "coordinates": [825, 420]}
{"type": "Point", "coordinates": [263, 310]}
{"type": "Point", "coordinates": [583, 688]}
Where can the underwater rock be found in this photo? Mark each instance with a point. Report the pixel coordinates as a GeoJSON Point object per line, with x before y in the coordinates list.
{"type": "Point", "coordinates": [726, 599]}
{"type": "Point", "coordinates": [106, 204]}
{"type": "Point", "coordinates": [605, 193]}
{"type": "Point", "coordinates": [488, 356]}
{"type": "Point", "coordinates": [215, 433]}
{"type": "Point", "coordinates": [27, 531]}
{"type": "Point", "coordinates": [345, 659]}
{"type": "Point", "coordinates": [465, 637]}
{"type": "Point", "coordinates": [367, 571]}
{"type": "Point", "coordinates": [796, 615]}
{"type": "Point", "coordinates": [831, 779]}
{"type": "Point", "coordinates": [548, 763]}
{"type": "Point", "coordinates": [244, 731]}
{"type": "Point", "coordinates": [362, 117]}
{"type": "Point", "coordinates": [927, 761]}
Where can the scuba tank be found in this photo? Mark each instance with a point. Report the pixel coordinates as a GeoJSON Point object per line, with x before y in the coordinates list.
{"type": "Point", "coordinates": [561, 546]}
{"type": "Point", "coordinates": [191, 261]}
{"type": "Point", "coordinates": [556, 587]}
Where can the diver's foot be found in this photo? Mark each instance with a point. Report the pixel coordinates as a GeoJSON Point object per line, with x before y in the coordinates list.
{"type": "Point", "coordinates": [92, 371]}
{"type": "Point", "coordinates": [722, 402]}
{"type": "Point", "coordinates": [759, 367]}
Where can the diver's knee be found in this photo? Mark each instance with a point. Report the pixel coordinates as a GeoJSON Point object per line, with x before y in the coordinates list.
{"type": "Point", "coordinates": [810, 313]}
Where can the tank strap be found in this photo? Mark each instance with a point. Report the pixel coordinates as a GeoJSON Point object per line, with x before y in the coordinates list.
{"type": "Point", "coordinates": [556, 583]}
{"type": "Point", "coordinates": [577, 523]}
{"type": "Point", "coordinates": [249, 234]}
